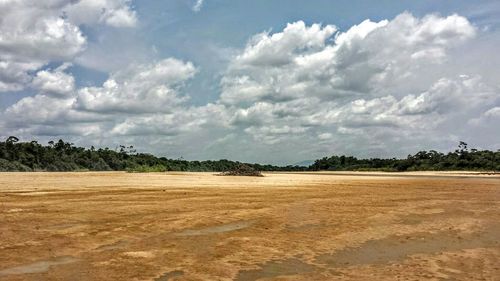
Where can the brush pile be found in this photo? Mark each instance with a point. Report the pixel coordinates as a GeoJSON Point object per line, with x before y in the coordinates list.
{"type": "Point", "coordinates": [242, 170]}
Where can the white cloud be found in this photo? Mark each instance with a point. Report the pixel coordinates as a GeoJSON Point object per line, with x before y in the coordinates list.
{"type": "Point", "coordinates": [52, 107]}
{"type": "Point", "coordinates": [139, 89]}
{"type": "Point", "coordinates": [185, 121]}
{"type": "Point", "coordinates": [303, 92]}
{"type": "Point", "coordinates": [197, 6]}
{"type": "Point", "coordinates": [367, 58]}
{"type": "Point", "coordinates": [14, 75]}
{"type": "Point", "coordinates": [281, 48]}
{"type": "Point", "coordinates": [35, 33]}
{"type": "Point", "coordinates": [325, 136]}
{"type": "Point", "coordinates": [57, 82]}
{"type": "Point", "coordinates": [116, 13]}
{"type": "Point", "coordinates": [42, 109]}
{"type": "Point", "coordinates": [493, 112]}
{"type": "Point", "coordinates": [30, 36]}
{"type": "Point", "coordinates": [489, 118]}
{"type": "Point", "coordinates": [379, 80]}
{"type": "Point", "coordinates": [124, 104]}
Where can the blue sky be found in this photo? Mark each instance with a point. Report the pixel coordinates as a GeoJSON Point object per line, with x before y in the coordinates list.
{"type": "Point", "coordinates": [197, 81]}
{"type": "Point", "coordinates": [207, 37]}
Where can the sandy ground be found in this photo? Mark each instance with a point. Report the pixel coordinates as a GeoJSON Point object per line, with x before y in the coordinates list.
{"type": "Point", "coordinates": [197, 226]}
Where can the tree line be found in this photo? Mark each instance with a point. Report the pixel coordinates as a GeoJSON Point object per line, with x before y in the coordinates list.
{"type": "Point", "coordinates": [462, 158]}
{"type": "Point", "coordinates": [64, 156]}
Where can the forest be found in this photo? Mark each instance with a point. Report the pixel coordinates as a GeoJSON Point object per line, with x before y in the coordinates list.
{"type": "Point", "coordinates": [462, 159]}
{"type": "Point", "coordinates": [64, 156]}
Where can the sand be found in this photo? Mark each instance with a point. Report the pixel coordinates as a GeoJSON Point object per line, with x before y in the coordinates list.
{"type": "Point", "coordinates": [284, 226]}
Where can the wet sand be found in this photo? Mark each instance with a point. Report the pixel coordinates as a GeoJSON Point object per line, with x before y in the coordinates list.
{"type": "Point", "coordinates": [284, 226]}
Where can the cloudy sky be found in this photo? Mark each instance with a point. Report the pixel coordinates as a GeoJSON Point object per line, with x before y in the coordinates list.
{"type": "Point", "coordinates": [276, 82]}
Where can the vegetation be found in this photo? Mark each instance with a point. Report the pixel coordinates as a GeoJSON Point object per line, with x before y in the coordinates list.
{"type": "Point", "coordinates": [243, 170]}
{"type": "Point", "coordinates": [460, 159]}
{"type": "Point", "coordinates": [64, 156]}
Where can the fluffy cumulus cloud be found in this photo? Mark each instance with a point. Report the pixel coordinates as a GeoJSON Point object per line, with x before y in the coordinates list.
{"type": "Point", "coordinates": [35, 33]}
{"type": "Point", "coordinates": [140, 89]}
{"type": "Point", "coordinates": [367, 58]}
{"type": "Point", "coordinates": [376, 84]}
{"type": "Point", "coordinates": [129, 99]}
{"type": "Point", "coordinates": [117, 13]}
{"type": "Point", "coordinates": [377, 88]}
{"type": "Point", "coordinates": [14, 75]}
{"type": "Point", "coordinates": [56, 82]}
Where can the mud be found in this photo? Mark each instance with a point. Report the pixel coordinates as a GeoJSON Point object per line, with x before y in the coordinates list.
{"type": "Point", "coordinates": [197, 226]}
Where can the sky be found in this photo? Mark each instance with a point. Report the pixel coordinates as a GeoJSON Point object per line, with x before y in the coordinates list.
{"type": "Point", "coordinates": [275, 82]}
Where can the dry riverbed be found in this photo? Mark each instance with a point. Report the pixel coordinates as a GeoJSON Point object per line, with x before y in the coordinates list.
{"type": "Point", "coordinates": [197, 226]}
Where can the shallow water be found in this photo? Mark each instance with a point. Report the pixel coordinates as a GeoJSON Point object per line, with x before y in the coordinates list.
{"type": "Point", "coordinates": [382, 251]}
{"type": "Point", "coordinates": [276, 268]}
{"type": "Point", "coordinates": [114, 246]}
{"type": "Point", "coordinates": [398, 248]}
{"type": "Point", "coordinates": [166, 276]}
{"type": "Point", "coordinates": [38, 267]}
{"type": "Point", "coordinates": [217, 229]}
{"type": "Point", "coordinates": [63, 226]}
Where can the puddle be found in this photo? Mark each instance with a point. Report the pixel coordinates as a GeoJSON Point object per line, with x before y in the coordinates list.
{"type": "Point", "coordinates": [414, 219]}
{"type": "Point", "coordinates": [303, 228]}
{"type": "Point", "coordinates": [391, 249]}
{"type": "Point", "coordinates": [276, 268]}
{"type": "Point", "coordinates": [216, 229]}
{"type": "Point", "coordinates": [63, 226]}
{"type": "Point", "coordinates": [168, 275]}
{"type": "Point", "coordinates": [114, 246]}
{"type": "Point", "coordinates": [398, 248]}
{"type": "Point", "coordinates": [37, 267]}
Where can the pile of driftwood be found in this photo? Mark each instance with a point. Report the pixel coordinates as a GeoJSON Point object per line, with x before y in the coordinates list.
{"type": "Point", "coordinates": [242, 170]}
